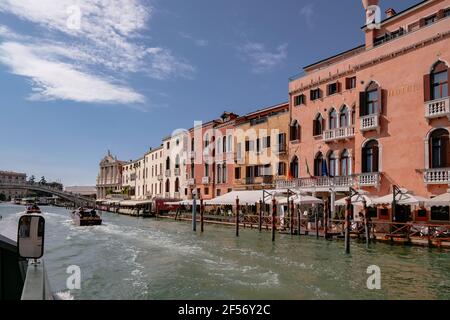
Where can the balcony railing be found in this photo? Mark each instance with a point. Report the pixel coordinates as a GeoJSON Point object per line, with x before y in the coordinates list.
{"type": "Point", "coordinates": [168, 173]}
{"type": "Point", "coordinates": [206, 180]}
{"type": "Point", "coordinates": [339, 134]}
{"type": "Point", "coordinates": [437, 108]}
{"type": "Point", "coordinates": [361, 180]}
{"type": "Point", "coordinates": [437, 176]}
{"type": "Point", "coordinates": [191, 182]}
{"type": "Point", "coordinates": [370, 122]}
{"type": "Point", "coordinates": [177, 172]}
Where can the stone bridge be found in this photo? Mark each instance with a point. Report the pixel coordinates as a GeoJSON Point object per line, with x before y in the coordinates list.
{"type": "Point", "coordinates": [69, 196]}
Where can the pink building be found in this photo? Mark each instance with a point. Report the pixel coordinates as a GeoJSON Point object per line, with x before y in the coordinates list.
{"type": "Point", "coordinates": [378, 115]}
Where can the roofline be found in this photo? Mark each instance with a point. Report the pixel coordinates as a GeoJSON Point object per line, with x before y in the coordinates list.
{"type": "Point", "coordinates": [402, 13]}
{"type": "Point", "coordinates": [266, 109]}
{"type": "Point", "coordinates": [335, 56]}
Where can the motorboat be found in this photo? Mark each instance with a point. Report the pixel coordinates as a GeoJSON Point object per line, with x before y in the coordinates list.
{"type": "Point", "coordinates": [83, 217]}
{"type": "Point", "coordinates": [33, 209]}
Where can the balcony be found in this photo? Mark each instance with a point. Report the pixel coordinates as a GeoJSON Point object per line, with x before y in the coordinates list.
{"type": "Point", "coordinates": [177, 172]}
{"type": "Point", "coordinates": [206, 180]}
{"type": "Point", "coordinates": [160, 177]}
{"type": "Point", "coordinates": [339, 134]}
{"type": "Point", "coordinates": [437, 108]}
{"type": "Point", "coordinates": [354, 181]}
{"type": "Point", "coordinates": [168, 173]}
{"type": "Point", "coordinates": [370, 122]}
{"type": "Point", "coordinates": [437, 176]}
{"type": "Point", "coordinates": [191, 182]}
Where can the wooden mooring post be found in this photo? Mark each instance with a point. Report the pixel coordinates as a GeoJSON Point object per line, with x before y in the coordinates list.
{"type": "Point", "coordinates": [274, 217]}
{"type": "Point", "coordinates": [194, 215]}
{"type": "Point", "coordinates": [237, 217]}
{"type": "Point", "coordinates": [260, 215]}
{"type": "Point", "coordinates": [299, 220]}
{"type": "Point", "coordinates": [317, 222]}
{"type": "Point", "coordinates": [347, 224]}
{"type": "Point", "coordinates": [202, 222]}
{"type": "Point", "coordinates": [291, 217]}
{"type": "Point", "coordinates": [366, 223]}
{"type": "Point", "coordinates": [325, 218]}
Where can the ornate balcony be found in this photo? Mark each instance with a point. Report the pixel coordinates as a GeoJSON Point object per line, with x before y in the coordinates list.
{"type": "Point", "coordinates": [354, 181]}
{"type": "Point", "coordinates": [437, 108]}
{"type": "Point", "coordinates": [191, 182]}
{"type": "Point", "coordinates": [370, 122]}
{"type": "Point", "coordinates": [206, 180]}
{"type": "Point", "coordinates": [437, 176]}
{"type": "Point", "coordinates": [339, 134]}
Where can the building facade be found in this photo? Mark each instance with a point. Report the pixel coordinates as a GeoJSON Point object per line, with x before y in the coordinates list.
{"type": "Point", "coordinates": [109, 179]}
{"type": "Point", "coordinates": [174, 150]}
{"type": "Point", "coordinates": [154, 174]}
{"type": "Point", "coordinates": [378, 115]}
{"type": "Point", "coordinates": [9, 177]}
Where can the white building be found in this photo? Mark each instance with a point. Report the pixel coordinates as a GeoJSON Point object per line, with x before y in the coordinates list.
{"type": "Point", "coordinates": [154, 173]}
{"type": "Point", "coordinates": [174, 156]}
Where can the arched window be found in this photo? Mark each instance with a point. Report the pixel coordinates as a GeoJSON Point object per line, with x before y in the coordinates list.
{"type": "Point", "coordinates": [295, 131]}
{"type": "Point", "coordinates": [168, 163]}
{"type": "Point", "coordinates": [177, 185]}
{"type": "Point", "coordinates": [318, 125]}
{"type": "Point", "coordinates": [206, 170]}
{"type": "Point", "coordinates": [219, 146]}
{"type": "Point", "coordinates": [177, 162]}
{"type": "Point", "coordinates": [345, 163]}
{"type": "Point", "coordinates": [294, 168]}
{"type": "Point", "coordinates": [370, 100]}
{"type": "Point", "coordinates": [333, 165]}
{"type": "Point", "coordinates": [319, 165]}
{"type": "Point", "coordinates": [219, 173]}
{"type": "Point", "coordinates": [230, 143]}
{"type": "Point", "coordinates": [224, 144]}
{"type": "Point", "coordinates": [439, 149]}
{"type": "Point", "coordinates": [370, 157]}
{"type": "Point", "coordinates": [439, 81]}
{"type": "Point", "coordinates": [192, 170]}
{"type": "Point", "coordinates": [344, 117]}
{"type": "Point", "coordinates": [224, 173]}
{"type": "Point", "coordinates": [206, 140]}
{"type": "Point", "coordinates": [167, 185]}
{"type": "Point", "coordinates": [333, 119]}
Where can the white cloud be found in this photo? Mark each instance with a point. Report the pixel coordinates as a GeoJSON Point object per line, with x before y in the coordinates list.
{"type": "Point", "coordinates": [53, 80]}
{"type": "Point", "coordinates": [110, 38]}
{"type": "Point", "coordinates": [307, 12]}
{"type": "Point", "coordinates": [197, 41]}
{"type": "Point", "coordinates": [260, 58]}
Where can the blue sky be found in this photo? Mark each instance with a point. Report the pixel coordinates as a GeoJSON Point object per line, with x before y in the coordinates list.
{"type": "Point", "coordinates": [132, 71]}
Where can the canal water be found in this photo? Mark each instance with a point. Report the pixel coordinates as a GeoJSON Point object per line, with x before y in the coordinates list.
{"type": "Point", "coordinates": [130, 258]}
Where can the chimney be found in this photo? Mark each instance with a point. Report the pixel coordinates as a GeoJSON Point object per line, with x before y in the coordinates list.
{"type": "Point", "coordinates": [367, 3]}
{"type": "Point", "coordinates": [390, 12]}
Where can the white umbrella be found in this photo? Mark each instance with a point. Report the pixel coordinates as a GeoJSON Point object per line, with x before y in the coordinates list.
{"type": "Point", "coordinates": [403, 198]}
{"type": "Point", "coordinates": [440, 201]}
{"type": "Point", "coordinates": [356, 200]}
{"type": "Point", "coordinates": [300, 199]}
{"type": "Point", "coordinates": [245, 198]}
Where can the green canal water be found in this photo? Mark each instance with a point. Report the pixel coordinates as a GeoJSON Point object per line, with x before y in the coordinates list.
{"type": "Point", "coordinates": [129, 258]}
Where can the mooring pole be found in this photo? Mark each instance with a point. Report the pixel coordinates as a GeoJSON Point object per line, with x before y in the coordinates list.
{"type": "Point", "coordinates": [347, 224]}
{"type": "Point", "coordinates": [274, 217]}
{"type": "Point", "coordinates": [366, 222]}
{"type": "Point", "coordinates": [317, 222]}
{"type": "Point", "coordinates": [325, 218]}
{"type": "Point", "coordinates": [299, 220]}
{"type": "Point", "coordinates": [201, 216]}
{"type": "Point", "coordinates": [237, 217]}
{"type": "Point", "coordinates": [260, 215]}
{"type": "Point", "coordinates": [194, 214]}
{"type": "Point", "coordinates": [292, 217]}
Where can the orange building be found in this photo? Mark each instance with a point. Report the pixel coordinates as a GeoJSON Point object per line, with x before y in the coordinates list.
{"type": "Point", "coordinates": [377, 115]}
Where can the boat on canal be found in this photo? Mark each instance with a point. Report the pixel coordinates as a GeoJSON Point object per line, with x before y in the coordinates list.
{"type": "Point", "coordinates": [33, 209]}
{"type": "Point", "coordinates": [83, 217]}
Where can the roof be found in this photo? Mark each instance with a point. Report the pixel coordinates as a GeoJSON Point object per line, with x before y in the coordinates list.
{"type": "Point", "coordinates": [12, 172]}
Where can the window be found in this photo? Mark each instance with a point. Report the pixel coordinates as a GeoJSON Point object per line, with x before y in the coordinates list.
{"type": "Point", "coordinates": [372, 211]}
{"type": "Point", "coordinates": [370, 100]}
{"type": "Point", "coordinates": [281, 171]}
{"type": "Point", "coordinates": [224, 144]}
{"type": "Point", "coordinates": [447, 13]}
{"type": "Point", "coordinates": [316, 94]}
{"type": "Point", "coordinates": [177, 162]}
{"type": "Point", "coordinates": [224, 174]}
{"type": "Point", "coordinates": [167, 185]}
{"type": "Point", "coordinates": [333, 88]}
{"type": "Point", "coordinates": [439, 145]}
{"type": "Point", "coordinates": [168, 163]}
{"type": "Point", "coordinates": [168, 145]}
{"type": "Point", "coordinates": [318, 125]}
{"type": "Point", "coordinates": [258, 145]}
{"type": "Point", "coordinates": [206, 191]}
{"type": "Point", "coordinates": [440, 214]}
{"type": "Point", "coordinates": [219, 192]}
{"type": "Point", "coordinates": [249, 145]}
{"type": "Point", "coordinates": [345, 164]}
{"type": "Point", "coordinates": [266, 142]}
{"type": "Point", "coordinates": [294, 169]}
{"type": "Point", "coordinates": [192, 171]}
{"type": "Point", "coordinates": [237, 173]}
{"type": "Point", "coordinates": [177, 185]}
{"type": "Point", "coordinates": [350, 83]}
{"type": "Point", "coordinates": [281, 142]}
{"type": "Point", "coordinates": [344, 118]}
{"type": "Point", "coordinates": [192, 144]}
{"type": "Point", "coordinates": [333, 165]}
{"type": "Point", "coordinates": [219, 146]}
{"type": "Point", "coordinates": [230, 144]}
{"type": "Point", "coordinates": [206, 170]}
{"type": "Point", "coordinates": [319, 165]}
{"type": "Point", "coordinates": [219, 173]}
{"type": "Point", "coordinates": [439, 81]}
{"type": "Point", "coordinates": [295, 131]}
{"type": "Point", "coordinates": [239, 151]}
{"type": "Point", "coordinates": [299, 100]}
{"type": "Point", "coordinates": [430, 20]}
{"type": "Point", "coordinates": [370, 157]}
{"type": "Point", "coordinates": [333, 119]}
{"type": "Point", "coordinates": [206, 140]}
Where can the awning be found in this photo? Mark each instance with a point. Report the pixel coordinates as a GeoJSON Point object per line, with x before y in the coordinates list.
{"type": "Point", "coordinates": [440, 201]}
{"type": "Point", "coordinates": [134, 203]}
{"type": "Point", "coordinates": [245, 198]}
{"type": "Point", "coordinates": [404, 198]}
{"type": "Point", "coordinates": [299, 199]}
{"type": "Point", "coordinates": [357, 200]}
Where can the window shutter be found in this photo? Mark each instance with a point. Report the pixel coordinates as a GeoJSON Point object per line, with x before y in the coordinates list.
{"type": "Point", "coordinates": [314, 127]}
{"type": "Point", "coordinates": [380, 100]}
{"type": "Point", "coordinates": [441, 14]}
{"type": "Point", "coordinates": [339, 86]}
{"type": "Point", "coordinates": [268, 142]}
{"type": "Point", "coordinates": [376, 160]}
{"type": "Point", "coordinates": [422, 22]}
{"type": "Point", "coordinates": [364, 160]}
{"type": "Point", "coordinates": [427, 87]}
{"type": "Point", "coordinates": [362, 104]}
{"type": "Point", "coordinates": [445, 152]}
{"type": "Point", "coordinates": [311, 97]}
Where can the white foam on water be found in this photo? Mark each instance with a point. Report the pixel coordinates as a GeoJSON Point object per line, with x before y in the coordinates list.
{"type": "Point", "coordinates": [63, 295]}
